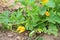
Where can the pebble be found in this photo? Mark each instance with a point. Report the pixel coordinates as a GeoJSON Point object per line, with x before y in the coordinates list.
{"type": "Point", "coordinates": [10, 35]}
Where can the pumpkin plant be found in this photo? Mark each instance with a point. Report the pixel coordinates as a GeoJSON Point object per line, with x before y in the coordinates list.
{"type": "Point", "coordinates": [37, 16]}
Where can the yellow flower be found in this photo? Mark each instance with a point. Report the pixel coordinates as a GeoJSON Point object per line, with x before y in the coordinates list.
{"type": "Point", "coordinates": [45, 1]}
{"type": "Point", "coordinates": [47, 13]}
{"type": "Point", "coordinates": [21, 29]}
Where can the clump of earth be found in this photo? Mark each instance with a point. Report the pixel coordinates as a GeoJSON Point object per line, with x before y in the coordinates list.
{"type": "Point", "coordinates": [9, 5]}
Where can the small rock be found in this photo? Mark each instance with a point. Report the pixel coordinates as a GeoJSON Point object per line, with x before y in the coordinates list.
{"type": "Point", "coordinates": [26, 34]}
{"type": "Point", "coordinates": [10, 35]}
{"type": "Point", "coordinates": [18, 38]}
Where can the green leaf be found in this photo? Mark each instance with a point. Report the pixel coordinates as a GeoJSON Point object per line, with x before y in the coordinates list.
{"type": "Point", "coordinates": [50, 4]}
{"type": "Point", "coordinates": [43, 10]}
{"type": "Point", "coordinates": [29, 25]}
{"type": "Point", "coordinates": [6, 13]}
{"type": "Point", "coordinates": [50, 18]}
{"type": "Point", "coordinates": [45, 30]}
{"type": "Point", "coordinates": [4, 17]}
{"type": "Point", "coordinates": [52, 29]}
{"type": "Point", "coordinates": [57, 19]}
{"type": "Point", "coordinates": [26, 2]}
{"type": "Point", "coordinates": [58, 14]}
{"type": "Point", "coordinates": [17, 17]}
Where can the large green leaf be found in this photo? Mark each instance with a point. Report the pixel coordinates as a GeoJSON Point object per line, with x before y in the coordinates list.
{"type": "Point", "coordinates": [51, 4]}
{"type": "Point", "coordinates": [17, 17]}
{"type": "Point", "coordinates": [51, 18]}
{"type": "Point", "coordinates": [57, 19]}
{"type": "Point", "coordinates": [43, 10]}
{"type": "Point", "coordinates": [52, 29]}
{"type": "Point", "coordinates": [4, 17]}
{"type": "Point", "coordinates": [29, 25]}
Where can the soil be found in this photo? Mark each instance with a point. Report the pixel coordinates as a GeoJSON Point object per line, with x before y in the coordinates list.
{"type": "Point", "coordinates": [10, 35]}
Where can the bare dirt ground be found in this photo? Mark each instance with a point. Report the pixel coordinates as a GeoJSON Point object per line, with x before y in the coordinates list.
{"type": "Point", "coordinates": [9, 35]}
{"type": "Point", "coordinates": [51, 37]}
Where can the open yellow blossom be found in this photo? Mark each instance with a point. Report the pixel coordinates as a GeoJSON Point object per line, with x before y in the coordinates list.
{"type": "Point", "coordinates": [21, 29]}
{"type": "Point", "coordinates": [47, 13]}
{"type": "Point", "coordinates": [45, 1]}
